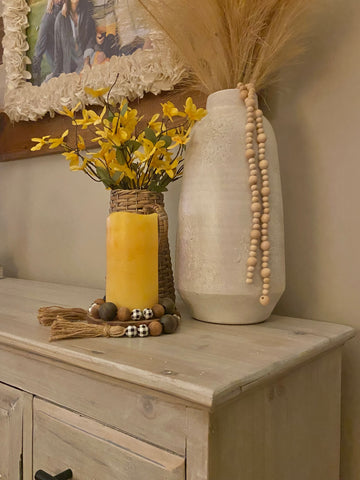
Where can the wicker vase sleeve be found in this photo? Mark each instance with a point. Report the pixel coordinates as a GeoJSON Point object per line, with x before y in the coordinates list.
{"type": "Point", "coordinates": [145, 202]}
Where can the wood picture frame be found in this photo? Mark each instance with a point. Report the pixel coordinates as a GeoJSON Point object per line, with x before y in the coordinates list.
{"type": "Point", "coordinates": [15, 136]}
{"type": "Point", "coordinates": [130, 69]}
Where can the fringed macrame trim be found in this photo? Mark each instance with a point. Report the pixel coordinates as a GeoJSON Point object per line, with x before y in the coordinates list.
{"type": "Point", "coordinates": [144, 71]}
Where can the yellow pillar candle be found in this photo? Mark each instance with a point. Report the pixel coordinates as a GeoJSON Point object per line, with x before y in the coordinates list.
{"type": "Point", "coordinates": [132, 260]}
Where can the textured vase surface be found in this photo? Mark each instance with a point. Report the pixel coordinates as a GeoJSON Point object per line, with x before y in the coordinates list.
{"type": "Point", "coordinates": [215, 219]}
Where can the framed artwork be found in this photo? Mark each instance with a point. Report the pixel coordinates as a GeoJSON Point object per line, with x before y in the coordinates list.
{"type": "Point", "coordinates": [53, 48]}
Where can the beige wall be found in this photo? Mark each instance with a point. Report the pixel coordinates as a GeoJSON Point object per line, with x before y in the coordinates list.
{"type": "Point", "coordinates": [52, 221]}
{"type": "Point", "coordinates": [316, 118]}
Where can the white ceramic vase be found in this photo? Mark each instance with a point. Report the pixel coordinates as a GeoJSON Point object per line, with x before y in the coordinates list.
{"type": "Point", "coordinates": [215, 219]}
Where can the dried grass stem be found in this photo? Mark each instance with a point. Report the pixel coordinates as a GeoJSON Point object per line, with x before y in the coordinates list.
{"type": "Point", "coordinates": [224, 42]}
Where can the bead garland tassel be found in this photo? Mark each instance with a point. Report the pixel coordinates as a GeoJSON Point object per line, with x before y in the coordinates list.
{"type": "Point", "coordinates": [104, 319]}
{"type": "Point", "coordinates": [255, 154]}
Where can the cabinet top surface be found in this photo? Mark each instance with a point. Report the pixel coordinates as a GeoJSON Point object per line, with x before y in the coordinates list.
{"type": "Point", "coordinates": [202, 363]}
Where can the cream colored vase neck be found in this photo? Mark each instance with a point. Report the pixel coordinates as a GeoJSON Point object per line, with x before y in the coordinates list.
{"type": "Point", "coordinates": [215, 219]}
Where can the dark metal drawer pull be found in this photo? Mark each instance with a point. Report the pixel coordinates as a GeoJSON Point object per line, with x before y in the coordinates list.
{"type": "Point", "coordinates": [41, 475]}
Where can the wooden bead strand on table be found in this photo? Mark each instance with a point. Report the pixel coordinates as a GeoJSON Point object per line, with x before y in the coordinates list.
{"type": "Point", "coordinates": [260, 206]}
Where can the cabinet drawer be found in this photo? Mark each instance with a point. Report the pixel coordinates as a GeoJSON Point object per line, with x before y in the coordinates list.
{"type": "Point", "coordinates": [64, 439]}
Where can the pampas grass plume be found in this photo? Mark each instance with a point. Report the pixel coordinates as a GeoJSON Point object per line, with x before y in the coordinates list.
{"type": "Point", "coordinates": [223, 42]}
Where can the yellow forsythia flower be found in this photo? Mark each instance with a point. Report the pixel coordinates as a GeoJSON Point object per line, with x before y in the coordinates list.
{"type": "Point", "coordinates": [96, 93]}
{"type": "Point", "coordinates": [194, 114]}
{"type": "Point", "coordinates": [170, 111]}
{"type": "Point", "coordinates": [70, 113]}
{"type": "Point", "coordinates": [81, 143]}
{"type": "Point", "coordinates": [156, 126]}
{"type": "Point", "coordinates": [56, 142]}
{"type": "Point", "coordinates": [41, 142]}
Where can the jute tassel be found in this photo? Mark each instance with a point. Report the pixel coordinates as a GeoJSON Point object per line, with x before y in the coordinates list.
{"type": "Point", "coordinates": [47, 315]}
{"type": "Point", "coordinates": [62, 328]}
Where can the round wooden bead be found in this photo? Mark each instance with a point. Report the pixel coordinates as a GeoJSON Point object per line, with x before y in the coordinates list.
{"type": "Point", "coordinates": [252, 254]}
{"type": "Point", "coordinates": [148, 313]}
{"type": "Point", "coordinates": [265, 190]}
{"type": "Point", "coordinates": [99, 301]}
{"type": "Point", "coordinates": [250, 102]}
{"type": "Point", "coordinates": [253, 248]}
{"type": "Point", "coordinates": [256, 207]}
{"type": "Point", "coordinates": [169, 323]}
{"type": "Point", "coordinates": [251, 261]}
{"type": "Point", "coordinates": [243, 94]}
{"type": "Point", "coordinates": [265, 245]}
{"type": "Point", "coordinates": [143, 330]}
{"type": "Point", "coordinates": [168, 304]}
{"type": "Point", "coordinates": [136, 314]}
{"type": "Point", "coordinates": [252, 180]}
{"type": "Point", "coordinates": [265, 272]}
{"type": "Point", "coordinates": [265, 291]}
{"type": "Point", "coordinates": [94, 310]}
{"type": "Point", "coordinates": [261, 138]}
{"type": "Point", "coordinates": [108, 311]}
{"type": "Point", "coordinates": [258, 113]}
{"type": "Point", "coordinates": [131, 331]}
{"type": "Point", "coordinates": [266, 280]}
{"type": "Point", "coordinates": [249, 280]}
{"type": "Point", "coordinates": [261, 150]}
{"type": "Point", "coordinates": [265, 218]}
{"type": "Point", "coordinates": [265, 258]}
{"type": "Point", "coordinates": [158, 310]}
{"type": "Point", "coordinates": [263, 164]}
{"type": "Point", "coordinates": [264, 300]}
{"type": "Point", "coordinates": [261, 156]}
{"type": "Point", "coordinates": [249, 127]}
{"type": "Point", "coordinates": [123, 314]}
{"type": "Point", "coordinates": [267, 210]}
{"type": "Point", "coordinates": [155, 328]}
{"type": "Point", "coordinates": [253, 241]}
{"type": "Point", "coordinates": [250, 274]}
{"type": "Point", "coordinates": [249, 153]}
{"type": "Point", "coordinates": [251, 269]}
{"type": "Point", "coordinates": [257, 215]}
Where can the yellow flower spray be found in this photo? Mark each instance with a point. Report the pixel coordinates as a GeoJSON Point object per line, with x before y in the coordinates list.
{"type": "Point", "coordinates": [127, 159]}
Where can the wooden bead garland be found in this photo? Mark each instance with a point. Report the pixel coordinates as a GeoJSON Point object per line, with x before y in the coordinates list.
{"type": "Point", "coordinates": [255, 154]}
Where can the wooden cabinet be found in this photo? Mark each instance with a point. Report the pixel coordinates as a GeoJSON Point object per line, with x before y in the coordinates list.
{"type": "Point", "coordinates": [211, 402]}
{"type": "Point", "coordinates": [64, 439]}
{"type": "Point", "coordinates": [15, 431]}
